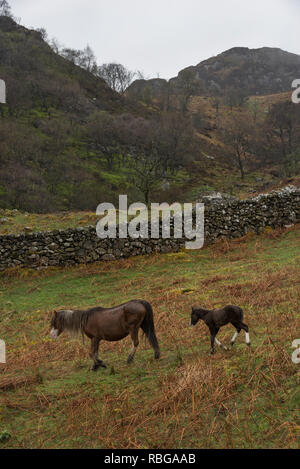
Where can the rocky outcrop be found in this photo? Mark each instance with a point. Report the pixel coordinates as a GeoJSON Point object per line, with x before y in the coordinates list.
{"type": "Point", "coordinates": [235, 73]}
{"type": "Point", "coordinates": [148, 89]}
{"type": "Point", "coordinates": [250, 71]}
{"type": "Point", "coordinates": [223, 218]}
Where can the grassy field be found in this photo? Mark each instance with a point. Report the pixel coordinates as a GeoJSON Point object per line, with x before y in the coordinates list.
{"type": "Point", "coordinates": [244, 398]}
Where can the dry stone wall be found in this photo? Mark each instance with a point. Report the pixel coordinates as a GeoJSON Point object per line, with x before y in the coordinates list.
{"type": "Point", "coordinates": [223, 218]}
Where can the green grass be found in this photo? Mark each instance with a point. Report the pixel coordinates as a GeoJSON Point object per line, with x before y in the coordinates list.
{"type": "Point", "coordinates": [17, 221]}
{"type": "Point", "coordinates": [241, 398]}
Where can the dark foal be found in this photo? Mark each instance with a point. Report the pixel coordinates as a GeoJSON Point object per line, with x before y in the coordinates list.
{"type": "Point", "coordinates": [217, 318]}
{"type": "Point", "coordinates": [110, 324]}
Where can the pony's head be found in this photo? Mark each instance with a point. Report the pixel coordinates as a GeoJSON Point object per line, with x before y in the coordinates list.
{"type": "Point", "coordinates": [56, 325]}
{"type": "Point", "coordinates": [197, 313]}
{"type": "Point", "coordinates": [68, 320]}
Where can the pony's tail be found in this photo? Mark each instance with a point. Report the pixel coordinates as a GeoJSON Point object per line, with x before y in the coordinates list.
{"type": "Point", "coordinates": [148, 328]}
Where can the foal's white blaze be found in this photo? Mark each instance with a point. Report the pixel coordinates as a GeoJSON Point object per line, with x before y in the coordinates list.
{"type": "Point", "coordinates": [54, 333]}
{"type": "Point", "coordinates": [247, 337]}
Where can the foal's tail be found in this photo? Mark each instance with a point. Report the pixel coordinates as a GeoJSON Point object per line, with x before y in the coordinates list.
{"type": "Point", "coordinates": [148, 328]}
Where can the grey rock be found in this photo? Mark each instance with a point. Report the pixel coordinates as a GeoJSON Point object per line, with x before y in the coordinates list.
{"type": "Point", "coordinates": [108, 257]}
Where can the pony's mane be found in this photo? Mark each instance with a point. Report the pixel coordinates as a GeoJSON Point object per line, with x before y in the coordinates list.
{"type": "Point", "coordinates": [74, 321]}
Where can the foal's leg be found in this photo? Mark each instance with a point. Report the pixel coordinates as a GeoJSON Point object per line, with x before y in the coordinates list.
{"type": "Point", "coordinates": [217, 341]}
{"type": "Point", "coordinates": [134, 334]}
{"type": "Point", "coordinates": [94, 354]}
{"type": "Point", "coordinates": [220, 344]}
{"type": "Point", "coordinates": [213, 333]}
{"type": "Point", "coordinates": [238, 330]}
{"type": "Point", "coordinates": [247, 336]}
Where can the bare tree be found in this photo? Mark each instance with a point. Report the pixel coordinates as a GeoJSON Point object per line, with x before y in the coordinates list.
{"type": "Point", "coordinates": [83, 58]}
{"type": "Point", "coordinates": [216, 102]}
{"type": "Point", "coordinates": [87, 60]}
{"type": "Point", "coordinates": [146, 172]}
{"type": "Point", "coordinates": [140, 75]}
{"type": "Point", "coordinates": [5, 9]}
{"type": "Point", "coordinates": [43, 33]}
{"type": "Point", "coordinates": [103, 138]}
{"type": "Point", "coordinates": [156, 149]}
{"type": "Point", "coordinates": [116, 76]}
{"type": "Point", "coordinates": [187, 87]}
{"type": "Point", "coordinates": [237, 131]}
{"type": "Point", "coordinates": [55, 45]}
{"type": "Point", "coordinates": [235, 97]}
{"type": "Point", "coordinates": [281, 134]}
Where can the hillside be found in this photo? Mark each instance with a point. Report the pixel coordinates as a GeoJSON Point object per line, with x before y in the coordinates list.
{"type": "Point", "coordinates": [38, 78]}
{"type": "Point", "coordinates": [47, 149]}
{"type": "Point", "coordinates": [236, 399]}
{"type": "Point", "coordinates": [240, 106]}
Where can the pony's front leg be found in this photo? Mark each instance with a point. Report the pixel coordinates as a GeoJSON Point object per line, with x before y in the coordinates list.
{"type": "Point", "coordinates": [220, 344]}
{"type": "Point", "coordinates": [134, 334]}
{"type": "Point", "coordinates": [94, 354]}
{"type": "Point", "coordinates": [213, 332]}
{"type": "Point", "coordinates": [212, 344]}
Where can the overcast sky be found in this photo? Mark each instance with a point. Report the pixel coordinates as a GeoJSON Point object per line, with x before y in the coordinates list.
{"type": "Point", "coordinates": [164, 36]}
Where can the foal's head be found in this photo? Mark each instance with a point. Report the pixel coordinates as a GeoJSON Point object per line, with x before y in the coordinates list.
{"type": "Point", "coordinates": [197, 313]}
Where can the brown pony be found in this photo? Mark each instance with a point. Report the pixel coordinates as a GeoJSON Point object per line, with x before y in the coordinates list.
{"type": "Point", "coordinates": [111, 324]}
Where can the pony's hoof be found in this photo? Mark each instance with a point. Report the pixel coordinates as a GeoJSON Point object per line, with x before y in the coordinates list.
{"type": "Point", "coordinates": [212, 352]}
{"type": "Point", "coordinates": [94, 367]}
{"type": "Point", "coordinates": [102, 364]}
{"type": "Point", "coordinates": [129, 360]}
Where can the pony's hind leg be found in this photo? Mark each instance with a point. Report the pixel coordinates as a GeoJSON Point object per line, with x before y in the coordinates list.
{"type": "Point", "coordinates": [134, 334]}
{"type": "Point", "coordinates": [247, 336]}
{"type": "Point", "coordinates": [238, 330]}
{"type": "Point", "coordinates": [94, 354]}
